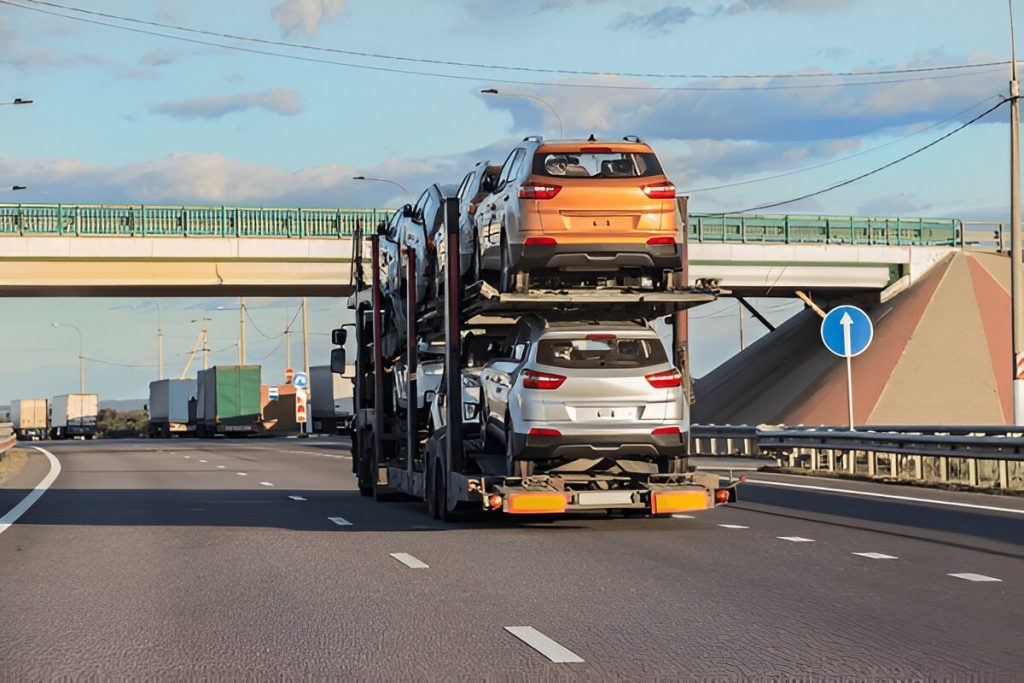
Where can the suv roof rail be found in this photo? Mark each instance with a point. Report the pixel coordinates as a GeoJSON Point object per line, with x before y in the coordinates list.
{"type": "Point", "coordinates": [632, 138]}
{"type": "Point", "coordinates": [533, 138]}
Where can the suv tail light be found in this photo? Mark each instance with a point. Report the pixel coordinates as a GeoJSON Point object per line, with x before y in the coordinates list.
{"type": "Point", "coordinates": [539, 242]}
{"type": "Point", "coordinates": [666, 430]}
{"type": "Point", "coordinates": [544, 431]}
{"type": "Point", "coordinates": [665, 380]}
{"type": "Point", "coordinates": [533, 191]}
{"type": "Point", "coordinates": [664, 190]}
{"type": "Point", "coordinates": [663, 239]}
{"type": "Point", "coordinates": [541, 380]}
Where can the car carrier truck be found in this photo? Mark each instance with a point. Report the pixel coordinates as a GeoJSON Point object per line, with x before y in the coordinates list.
{"type": "Point", "coordinates": [435, 457]}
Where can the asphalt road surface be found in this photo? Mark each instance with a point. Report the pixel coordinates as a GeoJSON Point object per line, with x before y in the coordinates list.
{"type": "Point", "coordinates": [258, 559]}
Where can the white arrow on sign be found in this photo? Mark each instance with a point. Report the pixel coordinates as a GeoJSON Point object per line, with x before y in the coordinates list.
{"type": "Point", "coordinates": [846, 321]}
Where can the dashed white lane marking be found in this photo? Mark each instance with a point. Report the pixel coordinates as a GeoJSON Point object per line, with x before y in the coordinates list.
{"type": "Point", "coordinates": [410, 561]}
{"type": "Point", "coordinates": [242, 474]}
{"type": "Point", "coordinates": [202, 461]}
{"type": "Point", "coordinates": [340, 521]}
{"type": "Point", "coordinates": [220, 467]}
{"type": "Point", "coordinates": [978, 578]}
{"type": "Point", "coordinates": [544, 645]}
{"type": "Point", "coordinates": [873, 494]}
{"type": "Point", "coordinates": [795, 539]}
{"type": "Point", "coordinates": [298, 498]}
{"type": "Point", "coordinates": [733, 526]}
{"type": "Point", "coordinates": [265, 483]}
{"type": "Point", "coordinates": [877, 556]}
{"type": "Point", "coordinates": [18, 510]}
{"type": "Point", "coordinates": [188, 457]}
{"type": "Point", "coordinates": [679, 515]}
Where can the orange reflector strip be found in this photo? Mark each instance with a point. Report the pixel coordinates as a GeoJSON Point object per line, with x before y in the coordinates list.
{"type": "Point", "coordinates": [535, 503]}
{"type": "Point", "coordinates": [664, 502]}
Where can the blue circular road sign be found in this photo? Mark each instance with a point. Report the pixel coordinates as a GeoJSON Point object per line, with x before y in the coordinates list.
{"type": "Point", "coordinates": [847, 331]}
{"type": "Point", "coordinates": [300, 380]}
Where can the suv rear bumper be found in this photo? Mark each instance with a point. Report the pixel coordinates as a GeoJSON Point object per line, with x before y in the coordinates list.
{"type": "Point", "coordinates": [624, 445]}
{"type": "Point", "coordinates": [597, 257]}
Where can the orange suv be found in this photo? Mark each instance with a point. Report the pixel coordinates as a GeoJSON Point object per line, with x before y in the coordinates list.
{"type": "Point", "coordinates": [575, 211]}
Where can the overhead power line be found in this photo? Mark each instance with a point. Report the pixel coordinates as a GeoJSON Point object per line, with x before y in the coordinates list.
{"type": "Point", "coordinates": [957, 71]}
{"type": "Point", "coordinates": [872, 172]}
{"type": "Point", "coordinates": [505, 67]}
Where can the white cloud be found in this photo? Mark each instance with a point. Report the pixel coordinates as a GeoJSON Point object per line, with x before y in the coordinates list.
{"type": "Point", "coordinates": [158, 58]}
{"type": "Point", "coordinates": [284, 101]}
{"type": "Point", "coordinates": [659, 20]}
{"type": "Point", "coordinates": [305, 16]}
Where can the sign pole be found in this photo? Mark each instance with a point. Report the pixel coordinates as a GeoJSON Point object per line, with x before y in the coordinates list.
{"type": "Point", "coordinates": [846, 322]}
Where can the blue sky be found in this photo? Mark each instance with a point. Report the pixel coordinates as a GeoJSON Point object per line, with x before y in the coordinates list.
{"type": "Point", "coordinates": [124, 117]}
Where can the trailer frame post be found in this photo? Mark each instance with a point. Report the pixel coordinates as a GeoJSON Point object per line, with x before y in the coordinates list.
{"type": "Point", "coordinates": [412, 365]}
{"type": "Point", "coordinates": [378, 364]}
{"type": "Point", "coordinates": [453, 337]}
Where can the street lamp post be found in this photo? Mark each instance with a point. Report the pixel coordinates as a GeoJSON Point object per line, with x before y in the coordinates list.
{"type": "Point", "coordinates": [1016, 281]}
{"type": "Point", "coordinates": [389, 182]}
{"type": "Point", "coordinates": [81, 355]}
{"type": "Point", "coordinates": [551, 108]}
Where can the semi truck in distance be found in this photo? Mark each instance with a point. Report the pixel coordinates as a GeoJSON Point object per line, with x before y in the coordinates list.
{"type": "Point", "coordinates": [30, 417]}
{"type": "Point", "coordinates": [73, 416]}
{"type": "Point", "coordinates": [332, 403]}
{"type": "Point", "coordinates": [168, 407]}
{"type": "Point", "coordinates": [228, 400]}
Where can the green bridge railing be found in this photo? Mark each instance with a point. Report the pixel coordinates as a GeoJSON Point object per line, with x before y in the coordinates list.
{"type": "Point", "coordinates": [225, 221]}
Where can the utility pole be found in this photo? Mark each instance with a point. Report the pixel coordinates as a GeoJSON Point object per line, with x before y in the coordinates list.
{"type": "Point", "coordinates": [206, 346]}
{"type": "Point", "coordinates": [241, 330]}
{"type": "Point", "coordinates": [287, 347]}
{"type": "Point", "coordinates": [1016, 281]}
{"type": "Point", "coordinates": [160, 352]}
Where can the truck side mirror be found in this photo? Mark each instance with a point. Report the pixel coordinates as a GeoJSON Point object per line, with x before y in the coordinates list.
{"type": "Point", "coordinates": [339, 336]}
{"type": "Point", "coordinates": [338, 360]}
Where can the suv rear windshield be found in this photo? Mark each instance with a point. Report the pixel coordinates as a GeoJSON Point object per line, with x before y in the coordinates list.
{"type": "Point", "coordinates": [593, 164]}
{"type": "Point", "coordinates": [601, 351]}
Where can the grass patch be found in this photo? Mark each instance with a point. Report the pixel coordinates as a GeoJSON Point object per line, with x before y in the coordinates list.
{"type": "Point", "coordinates": [12, 462]}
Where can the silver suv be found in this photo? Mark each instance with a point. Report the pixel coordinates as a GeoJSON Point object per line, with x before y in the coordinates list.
{"type": "Point", "coordinates": [567, 391]}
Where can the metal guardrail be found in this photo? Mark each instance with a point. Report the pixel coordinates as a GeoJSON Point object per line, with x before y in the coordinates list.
{"type": "Point", "coordinates": [183, 221]}
{"type": "Point", "coordinates": [226, 221]}
{"type": "Point", "coordinates": [981, 456]}
{"type": "Point", "coordinates": [803, 229]}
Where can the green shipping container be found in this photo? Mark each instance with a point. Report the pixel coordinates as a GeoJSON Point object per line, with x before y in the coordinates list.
{"type": "Point", "coordinates": [229, 396]}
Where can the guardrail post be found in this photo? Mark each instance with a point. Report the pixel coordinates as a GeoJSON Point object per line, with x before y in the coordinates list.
{"type": "Point", "coordinates": [872, 463]}
{"type": "Point", "coordinates": [972, 472]}
{"type": "Point", "coordinates": [918, 467]}
{"type": "Point", "coordinates": [1004, 474]}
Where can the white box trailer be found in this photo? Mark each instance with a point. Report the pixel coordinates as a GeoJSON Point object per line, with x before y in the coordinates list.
{"type": "Point", "coordinates": [73, 415]}
{"type": "Point", "coordinates": [30, 418]}
{"type": "Point", "coordinates": [168, 407]}
{"type": "Point", "coordinates": [331, 399]}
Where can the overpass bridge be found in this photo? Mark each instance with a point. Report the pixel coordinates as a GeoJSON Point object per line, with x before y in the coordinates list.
{"type": "Point", "coordinates": [101, 250]}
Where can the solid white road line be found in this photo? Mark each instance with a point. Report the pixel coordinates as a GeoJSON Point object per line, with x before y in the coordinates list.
{"type": "Point", "coordinates": [877, 556]}
{"type": "Point", "coordinates": [18, 510]}
{"type": "Point", "coordinates": [978, 578]}
{"type": "Point", "coordinates": [679, 515]}
{"type": "Point", "coordinates": [544, 645]}
{"type": "Point", "coordinates": [873, 494]}
{"type": "Point", "coordinates": [795, 539]}
{"type": "Point", "coordinates": [299, 498]}
{"type": "Point", "coordinates": [410, 561]}
{"type": "Point", "coordinates": [733, 526]}
{"type": "Point", "coordinates": [265, 483]}
{"type": "Point", "coordinates": [340, 521]}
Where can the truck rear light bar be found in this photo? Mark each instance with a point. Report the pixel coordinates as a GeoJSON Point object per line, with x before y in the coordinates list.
{"type": "Point", "coordinates": [542, 380]}
{"type": "Point", "coordinates": [667, 502]}
{"type": "Point", "coordinates": [535, 502]}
